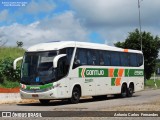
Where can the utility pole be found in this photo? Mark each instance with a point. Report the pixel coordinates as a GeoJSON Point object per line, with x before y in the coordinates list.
{"type": "Point", "coordinates": [139, 8]}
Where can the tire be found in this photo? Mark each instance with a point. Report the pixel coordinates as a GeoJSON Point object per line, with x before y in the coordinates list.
{"type": "Point", "coordinates": [130, 91]}
{"type": "Point", "coordinates": [123, 91]}
{"type": "Point", "coordinates": [44, 102]}
{"type": "Point", "coordinates": [75, 96]}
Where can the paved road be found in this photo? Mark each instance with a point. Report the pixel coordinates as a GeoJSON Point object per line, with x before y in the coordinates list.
{"type": "Point", "coordinates": [139, 98]}
{"type": "Point", "coordinates": [89, 104]}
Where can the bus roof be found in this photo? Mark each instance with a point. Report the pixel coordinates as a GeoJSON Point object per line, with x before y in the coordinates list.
{"type": "Point", "coordinates": [63, 44]}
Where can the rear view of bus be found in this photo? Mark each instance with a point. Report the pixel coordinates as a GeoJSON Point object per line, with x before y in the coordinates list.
{"type": "Point", "coordinates": [70, 70]}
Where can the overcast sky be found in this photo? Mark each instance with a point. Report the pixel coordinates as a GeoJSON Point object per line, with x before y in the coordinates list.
{"type": "Point", "coordinates": [100, 21]}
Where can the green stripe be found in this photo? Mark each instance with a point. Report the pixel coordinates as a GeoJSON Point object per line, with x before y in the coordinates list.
{"type": "Point", "coordinates": [38, 87]}
{"type": "Point", "coordinates": [80, 71]}
{"type": "Point", "coordinates": [126, 72]}
{"type": "Point", "coordinates": [115, 73]}
{"type": "Point", "coordinates": [113, 81]}
{"type": "Point", "coordinates": [136, 72]}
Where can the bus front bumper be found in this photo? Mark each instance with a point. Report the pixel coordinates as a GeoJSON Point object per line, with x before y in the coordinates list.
{"type": "Point", "coordinates": [50, 94]}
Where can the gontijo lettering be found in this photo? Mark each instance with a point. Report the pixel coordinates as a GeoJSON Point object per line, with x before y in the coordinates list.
{"type": "Point", "coordinates": [94, 72]}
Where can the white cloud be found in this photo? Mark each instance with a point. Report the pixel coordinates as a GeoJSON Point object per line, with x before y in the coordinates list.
{"type": "Point", "coordinates": [60, 27]}
{"type": "Point", "coordinates": [113, 19]}
{"type": "Point", "coordinates": [116, 12]}
{"type": "Point", "coordinates": [3, 15]}
{"type": "Point", "coordinates": [106, 12]}
{"type": "Point", "coordinates": [35, 7]}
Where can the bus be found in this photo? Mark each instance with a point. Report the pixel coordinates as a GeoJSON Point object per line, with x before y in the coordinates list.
{"type": "Point", "coordinates": [71, 70]}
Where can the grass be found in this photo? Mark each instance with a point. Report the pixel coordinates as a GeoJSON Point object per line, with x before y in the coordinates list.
{"type": "Point", "coordinates": [150, 83]}
{"type": "Point", "coordinates": [9, 84]}
{"type": "Point", "coordinates": [13, 52]}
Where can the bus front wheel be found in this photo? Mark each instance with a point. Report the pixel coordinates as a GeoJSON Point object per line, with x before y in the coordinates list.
{"type": "Point", "coordinates": [75, 96]}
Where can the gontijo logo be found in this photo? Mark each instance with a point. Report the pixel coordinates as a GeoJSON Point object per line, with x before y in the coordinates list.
{"type": "Point", "coordinates": [93, 72]}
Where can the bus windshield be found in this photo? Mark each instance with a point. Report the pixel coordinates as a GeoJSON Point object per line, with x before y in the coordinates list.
{"type": "Point", "coordinates": [38, 67]}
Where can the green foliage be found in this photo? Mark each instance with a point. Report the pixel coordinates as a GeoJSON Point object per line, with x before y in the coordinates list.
{"type": "Point", "coordinates": [8, 76]}
{"type": "Point", "coordinates": [7, 71]}
{"type": "Point", "coordinates": [9, 84]}
{"type": "Point", "coordinates": [150, 48]}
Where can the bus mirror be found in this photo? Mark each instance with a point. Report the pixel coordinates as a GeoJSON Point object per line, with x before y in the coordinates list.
{"type": "Point", "coordinates": [55, 60]}
{"type": "Point", "coordinates": [15, 62]}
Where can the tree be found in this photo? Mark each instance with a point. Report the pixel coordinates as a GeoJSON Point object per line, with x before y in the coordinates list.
{"type": "Point", "coordinates": [19, 44]}
{"type": "Point", "coordinates": [150, 48]}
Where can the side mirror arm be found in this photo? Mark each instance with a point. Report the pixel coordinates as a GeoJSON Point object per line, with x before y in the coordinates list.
{"type": "Point", "coordinates": [15, 62]}
{"type": "Point", "coordinates": [55, 60]}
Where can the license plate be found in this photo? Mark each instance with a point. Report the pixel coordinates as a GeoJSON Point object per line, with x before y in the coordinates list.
{"type": "Point", "coordinates": [35, 95]}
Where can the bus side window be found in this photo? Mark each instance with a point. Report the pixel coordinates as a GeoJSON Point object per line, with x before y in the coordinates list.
{"type": "Point", "coordinates": [80, 58]}
{"type": "Point", "coordinates": [133, 60]}
{"type": "Point", "coordinates": [107, 58]}
{"type": "Point", "coordinates": [69, 53]}
{"type": "Point", "coordinates": [139, 59]}
{"type": "Point", "coordinates": [61, 68]}
{"type": "Point", "coordinates": [89, 57]}
{"type": "Point", "coordinates": [95, 57]}
{"type": "Point", "coordinates": [92, 57]}
{"type": "Point", "coordinates": [124, 59]}
{"type": "Point", "coordinates": [101, 58]}
{"type": "Point", "coordinates": [115, 59]}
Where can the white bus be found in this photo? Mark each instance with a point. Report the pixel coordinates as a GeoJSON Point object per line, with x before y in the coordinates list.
{"type": "Point", "coordinates": [70, 70]}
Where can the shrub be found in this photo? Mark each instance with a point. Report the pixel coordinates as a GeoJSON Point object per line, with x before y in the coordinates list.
{"type": "Point", "coordinates": [7, 72]}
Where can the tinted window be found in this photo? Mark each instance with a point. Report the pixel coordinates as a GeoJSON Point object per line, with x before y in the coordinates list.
{"type": "Point", "coordinates": [104, 58]}
{"type": "Point", "coordinates": [115, 59]}
{"type": "Point", "coordinates": [133, 60]}
{"type": "Point", "coordinates": [69, 53]}
{"type": "Point", "coordinates": [89, 57]}
{"type": "Point", "coordinates": [80, 58]}
{"type": "Point", "coordinates": [101, 58]}
{"type": "Point", "coordinates": [62, 68]}
{"type": "Point", "coordinates": [92, 57]}
{"type": "Point", "coordinates": [124, 59]}
{"type": "Point", "coordinates": [139, 59]}
{"type": "Point", "coordinates": [107, 58]}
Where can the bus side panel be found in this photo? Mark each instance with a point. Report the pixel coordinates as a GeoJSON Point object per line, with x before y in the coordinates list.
{"type": "Point", "coordinates": [87, 84]}
{"type": "Point", "coordinates": [102, 85]}
{"type": "Point", "coordinates": [138, 84]}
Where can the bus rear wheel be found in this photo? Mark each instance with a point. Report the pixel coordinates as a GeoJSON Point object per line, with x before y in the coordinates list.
{"type": "Point", "coordinates": [75, 96]}
{"type": "Point", "coordinates": [45, 102]}
{"type": "Point", "coordinates": [130, 90]}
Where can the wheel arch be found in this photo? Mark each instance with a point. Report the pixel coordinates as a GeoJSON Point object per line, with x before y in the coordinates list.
{"type": "Point", "coordinates": [79, 87]}
{"type": "Point", "coordinates": [124, 83]}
